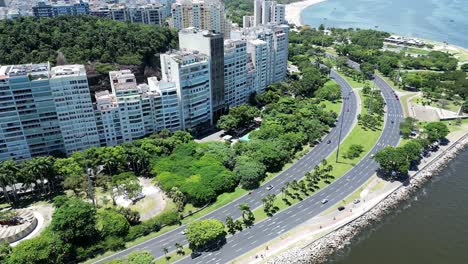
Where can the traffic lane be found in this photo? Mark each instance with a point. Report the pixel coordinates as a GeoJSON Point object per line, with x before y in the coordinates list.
{"type": "Point", "coordinates": [295, 172]}
{"type": "Point", "coordinates": [349, 182]}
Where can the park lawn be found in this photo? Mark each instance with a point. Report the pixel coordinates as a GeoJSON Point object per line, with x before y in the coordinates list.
{"type": "Point", "coordinates": [353, 83]}
{"type": "Point", "coordinates": [451, 106]}
{"type": "Point", "coordinates": [332, 106]}
{"type": "Point", "coordinates": [358, 135]}
{"type": "Point", "coordinates": [173, 256]}
{"type": "Point", "coordinates": [417, 51]}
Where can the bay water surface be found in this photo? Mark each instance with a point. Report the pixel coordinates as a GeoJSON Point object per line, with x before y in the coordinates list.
{"type": "Point", "coordinates": [441, 20]}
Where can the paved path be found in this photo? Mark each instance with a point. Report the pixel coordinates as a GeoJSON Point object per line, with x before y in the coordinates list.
{"type": "Point", "coordinates": [295, 171]}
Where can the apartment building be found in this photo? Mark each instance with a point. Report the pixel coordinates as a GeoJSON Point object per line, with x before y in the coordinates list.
{"type": "Point", "coordinates": [70, 90]}
{"type": "Point", "coordinates": [28, 117]}
{"type": "Point", "coordinates": [212, 45]}
{"type": "Point", "coordinates": [151, 14]}
{"type": "Point", "coordinates": [268, 48]}
{"type": "Point", "coordinates": [190, 71]}
{"type": "Point", "coordinates": [46, 9]}
{"type": "Point", "coordinates": [268, 12]}
{"type": "Point", "coordinates": [205, 15]}
{"type": "Point", "coordinates": [236, 61]}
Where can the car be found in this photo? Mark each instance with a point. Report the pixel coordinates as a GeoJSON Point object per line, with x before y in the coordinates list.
{"type": "Point", "coordinates": [372, 155]}
{"type": "Point", "coordinates": [269, 187]}
{"type": "Point", "coordinates": [356, 201]}
{"type": "Point", "coordinates": [341, 208]}
{"type": "Point", "coordinates": [183, 232]}
{"type": "Point", "coordinates": [329, 141]}
{"type": "Point", "coordinates": [324, 201]}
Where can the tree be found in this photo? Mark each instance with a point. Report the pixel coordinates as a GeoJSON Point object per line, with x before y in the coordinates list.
{"type": "Point", "coordinates": [73, 174]}
{"type": "Point", "coordinates": [464, 67]}
{"type": "Point", "coordinates": [133, 217]}
{"type": "Point", "coordinates": [412, 149]}
{"type": "Point", "coordinates": [178, 198]}
{"type": "Point", "coordinates": [245, 208]}
{"type": "Point", "coordinates": [367, 70]}
{"type": "Point", "coordinates": [407, 126]}
{"type": "Point", "coordinates": [8, 178]}
{"type": "Point", "coordinates": [44, 249]}
{"type": "Point", "coordinates": [179, 248]}
{"type": "Point", "coordinates": [74, 221]}
{"type": "Point", "coordinates": [392, 160]}
{"type": "Point", "coordinates": [341, 62]}
{"type": "Point", "coordinates": [239, 117]}
{"type": "Point", "coordinates": [126, 183]}
{"type": "Point", "coordinates": [140, 257]}
{"type": "Point", "coordinates": [5, 251]}
{"type": "Point", "coordinates": [249, 172]}
{"type": "Point", "coordinates": [354, 151]}
{"type": "Point", "coordinates": [111, 223]}
{"type": "Point", "coordinates": [231, 225]}
{"type": "Point", "coordinates": [165, 250]}
{"type": "Point", "coordinates": [202, 234]}
{"type": "Point", "coordinates": [436, 131]}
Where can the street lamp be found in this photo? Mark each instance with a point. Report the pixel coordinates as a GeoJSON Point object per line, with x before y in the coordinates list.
{"type": "Point", "coordinates": [341, 128]}
{"type": "Point", "coordinates": [90, 173]}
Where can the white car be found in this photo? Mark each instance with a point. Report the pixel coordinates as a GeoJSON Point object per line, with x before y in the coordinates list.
{"type": "Point", "coordinates": [269, 187]}
{"type": "Point", "coordinates": [183, 232]}
{"type": "Point", "coordinates": [324, 201]}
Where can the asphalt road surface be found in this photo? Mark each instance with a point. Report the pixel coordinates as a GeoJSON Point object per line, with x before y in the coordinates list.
{"type": "Point", "coordinates": [293, 216]}
{"type": "Point", "coordinates": [294, 172]}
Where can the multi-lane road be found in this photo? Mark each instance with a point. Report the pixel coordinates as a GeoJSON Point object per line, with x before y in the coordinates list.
{"type": "Point", "coordinates": [293, 216]}
{"type": "Point", "coordinates": [296, 171]}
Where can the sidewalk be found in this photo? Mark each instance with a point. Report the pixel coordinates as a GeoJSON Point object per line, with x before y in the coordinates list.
{"type": "Point", "coordinates": [372, 192]}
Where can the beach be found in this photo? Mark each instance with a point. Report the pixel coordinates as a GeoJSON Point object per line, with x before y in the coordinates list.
{"type": "Point", "coordinates": [293, 11]}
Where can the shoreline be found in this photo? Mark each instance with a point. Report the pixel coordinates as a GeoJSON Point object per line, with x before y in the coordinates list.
{"type": "Point", "coordinates": [294, 10]}
{"type": "Point", "coordinates": [319, 250]}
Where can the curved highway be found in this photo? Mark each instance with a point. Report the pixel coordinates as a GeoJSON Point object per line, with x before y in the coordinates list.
{"type": "Point", "coordinates": [296, 171]}
{"type": "Point", "coordinates": [293, 216]}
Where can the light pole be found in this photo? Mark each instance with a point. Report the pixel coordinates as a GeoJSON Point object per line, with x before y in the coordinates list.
{"type": "Point", "coordinates": [341, 128]}
{"type": "Point", "coordinates": [90, 173]}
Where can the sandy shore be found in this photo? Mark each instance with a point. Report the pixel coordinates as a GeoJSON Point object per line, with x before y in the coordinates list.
{"type": "Point", "coordinates": [293, 11]}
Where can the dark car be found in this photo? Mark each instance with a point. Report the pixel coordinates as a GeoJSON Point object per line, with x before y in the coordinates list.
{"type": "Point", "coordinates": [329, 141]}
{"type": "Point", "coordinates": [341, 208]}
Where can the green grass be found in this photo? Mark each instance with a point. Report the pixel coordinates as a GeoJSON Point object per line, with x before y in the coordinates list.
{"type": "Point", "coordinates": [359, 135]}
{"type": "Point", "coordinates": [451, 106]}
{"type": "Point", "coordinates": [404, 103]}
{"type": "Point", "coordinates": [390, 82]}
{"type": "Point", "coordinates": [353, 83]}
{"type": "Point", "coordinates": [417, 51]}
{"type": "Point", "coordinates": [332, 106]}
{"type": "Point", "coordinates": [173, 256]}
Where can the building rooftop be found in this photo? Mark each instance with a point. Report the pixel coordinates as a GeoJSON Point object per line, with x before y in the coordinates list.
{"type": "Point", "coordinates": [34, 71]}
{"type": "Point", "coordinates": [67, 70]}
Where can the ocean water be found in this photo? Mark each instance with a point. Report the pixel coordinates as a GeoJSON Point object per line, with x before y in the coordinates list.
{"type": "Point", "coordinates": [441, 20]}
{"type": "Point", "coordinates": [429, 228]}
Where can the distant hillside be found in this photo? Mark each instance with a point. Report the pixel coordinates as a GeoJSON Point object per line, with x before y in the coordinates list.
{"type": "Point", "coordinates": [82, 39]}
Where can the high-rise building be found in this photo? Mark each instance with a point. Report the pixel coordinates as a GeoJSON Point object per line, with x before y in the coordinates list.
{"type": "Point", "coordinates": [43, 9]}
{"type": "Point", "coordinates": [211, 45]}
{"type": "Point", "coordinates": [206, 15]}
{"type": "Point", "coordinates": [151, 14]}
{"type": "Point", "coordinates": [28, 119]}
{"type": "Point", "coordinates": [70, 90]}
{"type": "Point", "coordinates": [248, 21]}
{"type": "Point", "coordinates": [268, 12]}
{"type": "Point", "coordinates": [190, 71]}
{"type": "Point", "coordinates": [268, 47]}
{"type": "Point", "coordinates": [236, 86]}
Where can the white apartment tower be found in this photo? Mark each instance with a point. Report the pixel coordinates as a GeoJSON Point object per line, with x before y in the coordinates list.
{"type": "Point", "coordinates": [236, 59]}
{"type": "Point", "coordinates": [205, 14]}
{"type": "Point", "coordinates": [190, 71]}
{"type": "Point", "coordinates": [268, 12]}
{"type": "Point", "coordinates": [69, 85]}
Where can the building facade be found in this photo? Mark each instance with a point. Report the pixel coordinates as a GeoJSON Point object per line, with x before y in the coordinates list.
{"type": "Point", "coordinates": [205, 15]}
{"type": "Point", "coordinates": [43, 9]}
{"type": "Point", "coordinates": [212, 45]}
{"type": "Point", "coordinates": [70, 90]}
{"type": "Point", "coordinates": [268, 12]}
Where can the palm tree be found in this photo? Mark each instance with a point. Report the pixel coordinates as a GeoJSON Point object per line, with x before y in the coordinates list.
{"type": "Point", "coordinates": [180, 248]}
{"type": "Point", "coordinates": [244, 207]}
{"type": "Point", "coordinates": [165, 250]}
{"type": "Point", "coordinates": [8, 172]}
{"type": "Point", "coordinates": [282, 191]}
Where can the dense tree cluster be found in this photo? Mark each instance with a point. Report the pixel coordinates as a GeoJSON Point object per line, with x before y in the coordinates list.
{"type": "Point", "coordinates": [81, 39]}
{"type": "Point", "coordinates": [395, 162]}
{"type": "Point", "coordinates": [438, 85]}
{"type": "Point", "coordinates": [200, 175]}
{"type": "Point", "coordinates": [239, 117]}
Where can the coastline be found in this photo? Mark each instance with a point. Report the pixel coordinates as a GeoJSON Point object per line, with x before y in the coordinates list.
{"type": "Point", "coordinates": [319, 250]}
{"type": "Point", "coordinates": [294, 10]}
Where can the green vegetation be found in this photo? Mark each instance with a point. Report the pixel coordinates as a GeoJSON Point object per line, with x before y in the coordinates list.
{"type": "Point", "coordinates": [82, 39]}
{"type": "Point", "coordinates": [395, 161]}
{"type": "Point", "coordinates": [203, 234]}
{"type": "Point", "coordinates": [239, 117]}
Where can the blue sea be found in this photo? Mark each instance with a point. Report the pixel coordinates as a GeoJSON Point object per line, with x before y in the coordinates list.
{"type": "Point", "coordinates": [441, 20]}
